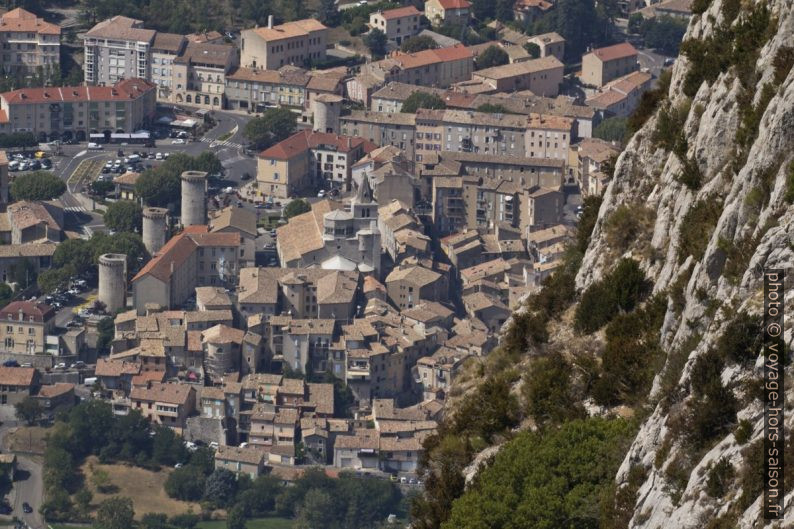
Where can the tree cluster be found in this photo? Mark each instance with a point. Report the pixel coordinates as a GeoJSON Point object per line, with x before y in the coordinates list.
{"type": "Point", "coordinates": [582, 23]}
{"type": "Point", "coordinates": [18, 139]}
{"type": "Point", "coordinates": [38, 185]}
{"type": "Point", "coordinates": [124, 215]}
{"type": "Point", "coordinates": [620, 291]}
{"type": "Point", "coordinates": [161, 186]}
{"type": "Point", "coordinates": [421, 99]}
{"type": "Point", "coordinates": [273, 126]}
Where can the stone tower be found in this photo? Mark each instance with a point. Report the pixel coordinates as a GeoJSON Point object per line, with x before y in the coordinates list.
{"type": "Point", "coordinates": [194, 198]}
{"type": "Point", "coordinates": [154, 228]}
{"type": "Point", "coordinates": [113, 281]}
{"type": "Point", "coordinates": [326, 109]}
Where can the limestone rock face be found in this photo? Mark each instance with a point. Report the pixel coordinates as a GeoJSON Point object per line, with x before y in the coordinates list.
{"type": "Point", "coordinates": [646, 176]}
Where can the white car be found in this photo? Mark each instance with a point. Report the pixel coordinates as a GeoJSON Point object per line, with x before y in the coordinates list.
{"type": "Point", "coordinates": [321, 194]}
{"type": "Point", "coordinates": [158, 156]}
{"type": "Point", "coordinates": [94, 146]}
{"type": "Point", "coordinates": [177, 141]}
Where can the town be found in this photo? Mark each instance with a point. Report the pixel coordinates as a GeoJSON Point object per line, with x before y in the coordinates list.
{"type": "Point", "coordinates": [281, 245]}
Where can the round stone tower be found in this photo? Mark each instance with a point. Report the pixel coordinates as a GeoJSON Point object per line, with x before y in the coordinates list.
{"type": "Point", "coordinates": [154, 228]}
{"type": "Point", "coordinates": [113, 281]}
{"type": "Point", "coordinates": [326, 109]}
{"type": "Point", "coordinates": [194, 198]}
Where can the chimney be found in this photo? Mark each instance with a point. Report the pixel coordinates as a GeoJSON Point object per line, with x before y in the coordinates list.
{"type": "Point", "coordinates": [270, 21]}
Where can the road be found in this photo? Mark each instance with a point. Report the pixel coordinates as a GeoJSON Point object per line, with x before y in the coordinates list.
{"type": "Point", "coordinates": [28, 485]}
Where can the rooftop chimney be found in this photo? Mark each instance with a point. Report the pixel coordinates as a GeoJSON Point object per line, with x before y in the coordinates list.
{"type": "Point", "coordinates": [270, 21]}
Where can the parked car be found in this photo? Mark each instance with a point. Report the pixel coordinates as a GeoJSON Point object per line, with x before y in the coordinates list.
{"type": "Point", "coordinates": [10, 363]}
{"type": "Point", "coordinates": [94, 146]}
{"type": "Point", "coordinates": [178, 141]}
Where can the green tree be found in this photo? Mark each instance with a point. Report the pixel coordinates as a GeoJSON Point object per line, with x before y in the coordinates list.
{"type": "Point", "coordinates": [611, 129]}
{"type": "Point", "coordinates": [83, 500]}
{"type": "Point", "coordinates": [28, 410]}
{"type": "Point", "coordinates": [38, 185]}
{"type": "Point", "coordinates": [328, 13]}
{"type": "Point", "coordinates": [316, 510]}
{"type": "Point", "coordinates": [547, 390]}
{"type": "Point", "coordinates": [157, 188]}
{"type": "Point", "coordinates": [51, 280]}
{"type": "Point", "coordinates": [419, 100]}
{"type": "Point", "coordinates": [101, 480]}
{"type": "Point", "coordinates": [663, 34]}
{"type": "Point", "coordinates": [579, 23]}
{"type": "Point", "coordinates": [73, 253]}
{"type": "Point", "coordinates": [552, 478]}
{"type": "Point", "coordinates": [273, 126]}
{"type": "Point", "coordinates": [418, 43]}
{"type": "Point", "coordinates": [236, 518]}
{"type": "Point", "coordinates": [296, 207]}
{"type": "Point", "coordinates": [102, 187]}
{"type": "Point", "coordinates": [115, 513]}
{"type": "Point", "coordinates": [493, 109]}
{"type": "Point", "coordinates": [186, 483]}
{"type": "Point", "coordinates": [220, 487]}
{"type": "Point", "coordinates": [124, 215]}
{"type": "Point", "coordinates": [636, 21]}
{"type": "Point", "coordinates": [129, 244]}
{"type": "Point", "coordinates": [6, 294]}
{"type": "Point", "coordinates": [155, 520]}
{"type": "Point", "coordinates": [533, 49]}
{"type": "Point", "coordinates": [23, 273]}
{"type": "Point", "coordinates": [492, 56]}
{"type": "Point", "coordinates": [376, 40]}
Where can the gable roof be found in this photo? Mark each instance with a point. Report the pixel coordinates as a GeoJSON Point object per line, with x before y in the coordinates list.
{"type": "Point", "coordinates": [24, 21]}
{"type": "Point", "coordinates": [304, 140]}
{"type": "Point", "coordinates": [400, 12]}
{"type": "Point", "coordinates": [17, 376]}
{"type": "Point", "coordinates": [616, 51]}
{"type": "Point", "coordinates": [454, 4]}
{"type": "Point", "coordinates": [38, 311]}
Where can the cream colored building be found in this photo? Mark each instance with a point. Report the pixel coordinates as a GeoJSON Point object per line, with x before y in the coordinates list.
{"type": "Point", "coordinates": [199, 74]}
{"type": "Point", "coordinates": [29, 43]}
{"type": "Point", "coordinates": [117, 48]}
{"type": "Point", "coordinates": [550, 44]}
{"type": "Point", "coordinates": [540, 76]}
{"type": "Point", "coordinates": [77, 111]}
{"type": "Point", "coordinates": [397, 24]}
{"type": "Point", "coordinates": [25, 326]}
{"type": "Point", "coordinates": [272, 47]}
{"type": "Point", "coordinates": [165, 49]}
{"type": "Point", "coordinates": [440, 12]}
{"type": "Point", "coordinates": [166, 404]}
{"type": "Point", "coordinates": [605, 64]}
{"type": "Point", "coordinates": [548, 136]}
{"type": "Point", "coordinates": [441, 67]}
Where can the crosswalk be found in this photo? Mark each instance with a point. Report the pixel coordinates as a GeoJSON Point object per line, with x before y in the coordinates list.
{"type": "Point", "coordinates": [75, 209]}
{"type": "Point", "coordinates": [227, 143]}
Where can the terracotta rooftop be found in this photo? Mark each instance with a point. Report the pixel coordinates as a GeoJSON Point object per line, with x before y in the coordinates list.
{"type": "Point", "coordinates": [454, 4]}
{"type": "Point", "coordinates": [124, 90]}
{"type": "Point", "coordinates": [616, 51]}
{"type": "Point", "coordinates": [250, 455]}
{"type": "Point", "coordinates": [19, 20]}
{"type": "Point", "coordinates": [400, 12]}
{"type": "Point", "coordinates": [168, 393]}
{"type": "Point", "coordinates": [297, 28]}
{"type": "Point", "coordinates": [168, 42]}
{"type": "Point", "coordinates": [121, 28]}
{"type": "Point", "coordinates": [17, 376]}
{"type": "Point", "coordinates": [38, 312]}
{"type": "Point", "coordinates": [214, 55]}
{"type": "Point", "coordinates": [304, 140]}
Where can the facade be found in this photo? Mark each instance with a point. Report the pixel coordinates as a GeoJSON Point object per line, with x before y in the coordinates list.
{"type": "Point", "coordinates": [241, 460]}
{"type": "Point", "coordinates": [441, 67]}
{"type": "Point", "coordinates": [308, 159]}
{"type": "Point", "coordinates": [540, 76]}
{"type": "Point", "coordinates": [440, 12]}
{"type": "Point", "coordinates": [297, 43]}
{"type": "Point", "coordinates": [192, 258]}
{"type": "Point", "coordinates": [602, 65]}
{"type": "Point", "coordinates": [382, 129]}
{"type": "Point", "coordinates": [25, 327]}
{"type": "Point", "coordinates": [200, 74]}
{"type": "Point", "coordinates": [548, 137]}
{"type": "Point", "coordinates": [256, 90]}
{"type": "Point", "coordinates": [550, 44]}
{"type": "Point", "coordinates": [621, 96]}
{"type": "Point", "coordinates": [29, 44]}
{"type": "Point", "coordinates": [397, 24]}
{"type": "Point", "coordinates": [165, 49]}
{"type": "Point", "coordinates": [77, 111]}
{"type": "Point", "coordinates": [165, 404]}
{"type": "Point", "coordinates": [408, 285]}
{"type": "Point", "coordinates": [115, 49]}
{"type": "Point", "coordinates": [466, 131]}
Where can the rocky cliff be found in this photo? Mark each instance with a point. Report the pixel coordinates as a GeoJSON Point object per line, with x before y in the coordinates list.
{"type": "Point", "coordinates": [740, 171]}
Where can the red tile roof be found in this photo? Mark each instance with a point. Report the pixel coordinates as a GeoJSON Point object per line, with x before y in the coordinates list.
{"type": "Point", "coordinates": [17, 376]}
{"type": "Point", "coordinates": [20, 20]}
{"type": "Point", "coordinates": [617, 51]}
{"type": "Point", "coordinates": [426, 57]}
{"type": "Point", "coordinates": [400, 12]}
{"type": "Point", "coordinates": [121, 91]}
{"type": "Point", "coordinates": [304, 140]}
{"type": "Point", "coordinates": [39, 311]}
{"type": "Point", "coordinates": [454, 4]}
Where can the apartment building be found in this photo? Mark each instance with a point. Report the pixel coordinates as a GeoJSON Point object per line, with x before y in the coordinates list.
{"type": "Point", "coordinates": [397, 24]}
{"type": "Point", "coordinates": [200, 74]}
{"type": "Point", "coordinates": [25, 328]}
{"type": "Point", "coordinates": [382, 129]}
{"type": "Point", "coordinates": [165, 49]}
{"type": "Point", "coordinates": [441, 67]}
{"type": "Point", "coordinates": [271, 47]}
{"type": "Point", "coordinates": [540, 76]}
{"type": "Point", "coordinates": [587, 161]}
{"type": "Point", "coordinates": [408, 285]}
{"type": "Point", "coordinates": [76, 111]}
{"type": "Point", "coordinates": [168, 404]}
{"type": "Point", "coordinates": [621, 96]}
{"type": "Point", "coordinates": [602, 65]}
{"type": "Point", "coordinates": [455, 12]}
{"type": "Point", "coordinates": [256, 90]}
{"type": "Point", "coordinates": [308, 159]}
{"type": "Point", "coordinates": [241, 460]}
{"type": "Point", "coordinates": [34, 222]}
{"type": "Point", "coordinates": [548, 136]}
{"type": "Point", "coordinates": [334, 236]}
{"type": "Point", "coordinates": [193, 258]}
{"type": "Point", "coordinates": [29, 43]}
{"type": "Point", "coordinates": [115, 49]}
{"type": "Point", "coordinates": [466, 131]}
{"type": "Point", "coordinates": [301, 344]}
{"type": "Point", "coordinates": [550, 44]}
